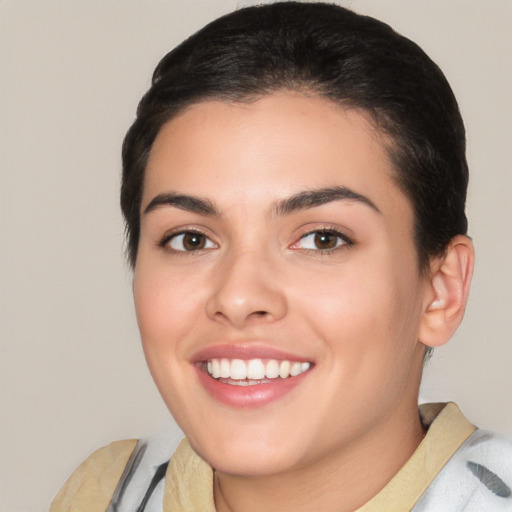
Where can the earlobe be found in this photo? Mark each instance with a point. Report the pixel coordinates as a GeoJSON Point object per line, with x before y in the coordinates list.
{"type": "Point", "coordinates": [447, 292]}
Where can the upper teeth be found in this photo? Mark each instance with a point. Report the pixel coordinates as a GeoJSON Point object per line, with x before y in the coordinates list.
{"type": "Point", "coordinates": [254, 369]}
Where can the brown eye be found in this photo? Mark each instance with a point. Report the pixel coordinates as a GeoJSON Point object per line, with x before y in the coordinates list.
{"type": "Point", "coordinates": [322, 240]}
{"type": "Point", "coordinates": [190, 241]}
{"type": "Point", "coordinates": [325, 240]}
{"type": "Point", "coordinates": [193, 241]}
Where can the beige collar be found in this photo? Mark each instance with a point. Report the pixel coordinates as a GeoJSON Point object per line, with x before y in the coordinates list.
{"type": "Point", "coordinates": [189, 479]}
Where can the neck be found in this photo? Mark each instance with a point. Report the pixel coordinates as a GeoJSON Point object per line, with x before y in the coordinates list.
{"type": "Point", "coordinates": [342, 481]}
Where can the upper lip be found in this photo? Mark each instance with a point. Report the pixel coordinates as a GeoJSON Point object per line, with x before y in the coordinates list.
{"type": "Point", "coordinates": [245, 351]}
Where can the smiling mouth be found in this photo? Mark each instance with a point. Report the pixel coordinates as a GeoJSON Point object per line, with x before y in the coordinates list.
{"type": "Point", "coordinates": [240, 372]}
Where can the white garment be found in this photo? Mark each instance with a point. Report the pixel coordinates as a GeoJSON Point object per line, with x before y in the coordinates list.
{"type": "Point", "coordinates": [477, 478]}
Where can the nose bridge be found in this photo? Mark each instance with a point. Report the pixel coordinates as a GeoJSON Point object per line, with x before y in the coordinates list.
{"type": "Point", "coordinates": [247, 289]}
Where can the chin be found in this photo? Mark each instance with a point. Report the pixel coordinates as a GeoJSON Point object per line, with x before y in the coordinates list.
{"type": "Point", "coordinates": [249, 455]}
{"type": "Point", "coordinates": [250, 464]}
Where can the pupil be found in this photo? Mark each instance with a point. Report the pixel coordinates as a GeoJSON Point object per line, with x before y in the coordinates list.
{"type": "Point", "coordinates": [192, 241]}
{"type": "Point", "coordinates": [325, 240]}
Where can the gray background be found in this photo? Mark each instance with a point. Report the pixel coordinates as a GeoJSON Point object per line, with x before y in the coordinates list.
{"type": "Point", "coordinates": [72, 372]}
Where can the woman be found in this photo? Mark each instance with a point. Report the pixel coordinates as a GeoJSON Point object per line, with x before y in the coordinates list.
{"type": "Point", "coordinates": [294, 189]}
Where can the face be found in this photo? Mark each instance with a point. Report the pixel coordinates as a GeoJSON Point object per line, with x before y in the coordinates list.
{"type": "Point", "coordinates": [277, 286]}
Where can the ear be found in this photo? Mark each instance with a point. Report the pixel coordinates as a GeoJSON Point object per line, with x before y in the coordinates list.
{"type": "Point", "coordinates": [447, 292]}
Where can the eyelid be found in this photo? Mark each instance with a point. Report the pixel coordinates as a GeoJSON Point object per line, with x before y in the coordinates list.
{"type": "Point", "coordinates": [347, 241]}
{"type": "Point", "coordinates": [183, 230]}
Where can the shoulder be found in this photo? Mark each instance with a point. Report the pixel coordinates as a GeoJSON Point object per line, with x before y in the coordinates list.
{"type": "Point", "coordinates": [119, 476]}
{"type": "Point", "coordinates": [478, 477]}
{"type": "Point", "coordinates": [92, 484]}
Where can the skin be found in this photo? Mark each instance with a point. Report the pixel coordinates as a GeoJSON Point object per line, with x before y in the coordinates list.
{"type": "Point", "coordinates": [356, 312]}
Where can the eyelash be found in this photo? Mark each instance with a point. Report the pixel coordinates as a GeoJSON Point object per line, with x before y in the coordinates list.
{"type": "Point", "coordinates": [343, 241]}
{"type": "Point", "coordinates": [165, 242]}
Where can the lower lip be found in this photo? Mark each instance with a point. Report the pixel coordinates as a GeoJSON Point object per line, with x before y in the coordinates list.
{"type": "Point", "coordinates": [245, 397]}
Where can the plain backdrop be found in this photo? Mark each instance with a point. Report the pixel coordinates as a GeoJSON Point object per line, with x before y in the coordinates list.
{"type": "Point", "coordinates": [72, 372]}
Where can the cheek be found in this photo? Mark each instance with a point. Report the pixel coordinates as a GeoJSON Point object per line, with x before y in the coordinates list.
{"type": "Point", "coordinates": [365, 308]}
{"type": "Point", "coordinates": [166, 305]}
{"type": "Point", "coordinates": [167, 308]}
{"type": "Point", "coordinates": [339, 299]}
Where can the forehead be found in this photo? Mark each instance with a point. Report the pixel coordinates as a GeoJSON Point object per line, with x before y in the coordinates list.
{"type": "Point", "coordinates": [268, 149]}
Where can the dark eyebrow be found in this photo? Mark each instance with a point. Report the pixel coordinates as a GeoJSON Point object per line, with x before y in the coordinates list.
{"type": "Point", "coordinates": [183, 202]}
{"type": "Point", "coordinates": [301, 201]}
{"type": "Point", "coordinates": [318, 197]}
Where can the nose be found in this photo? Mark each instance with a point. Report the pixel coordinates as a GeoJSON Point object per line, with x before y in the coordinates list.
{"type": "Point", "coordinates": [246, 291]}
